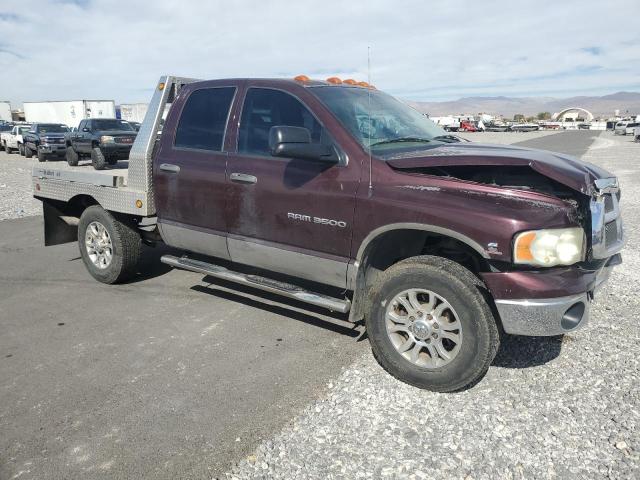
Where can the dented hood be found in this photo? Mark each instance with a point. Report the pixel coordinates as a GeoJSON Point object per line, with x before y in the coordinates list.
{"type": "Point", "coordinates": [564, 169]}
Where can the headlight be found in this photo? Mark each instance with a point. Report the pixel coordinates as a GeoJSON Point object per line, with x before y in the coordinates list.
{"type": "Point", "coordinates": [547, 248]}
{"type": "Point", "coordinates": [106, 139]}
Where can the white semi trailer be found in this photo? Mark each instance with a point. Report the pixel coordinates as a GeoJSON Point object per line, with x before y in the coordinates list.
{"type": "Point", "coordinates": [5, 111]}
{"type": "Point", "coordinates": [133, 112]}
{"type": "Point", "coordinates": [68, 112]}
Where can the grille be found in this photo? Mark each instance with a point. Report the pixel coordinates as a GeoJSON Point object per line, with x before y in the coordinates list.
{"type": "Point", "coordinates": [608, 203]}
{"type": "Point", "coordinates": [610, 233]}
{"type": "Point", "coordinates": [54, 140]}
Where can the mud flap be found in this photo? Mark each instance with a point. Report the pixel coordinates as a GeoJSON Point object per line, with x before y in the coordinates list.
{"type": "Point", "coordinates": [58, 228]}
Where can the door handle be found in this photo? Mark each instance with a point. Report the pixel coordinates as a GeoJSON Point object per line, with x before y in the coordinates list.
{"type": "Point", "coordinates": [167, 167]}
{"type": "Point", "coordinates": [242, 178]}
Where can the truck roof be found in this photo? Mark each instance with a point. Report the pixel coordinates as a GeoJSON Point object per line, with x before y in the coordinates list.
{"type": "Point", "coordinates": [307, 82]}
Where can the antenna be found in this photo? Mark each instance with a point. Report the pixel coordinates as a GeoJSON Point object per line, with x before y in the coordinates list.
{"type": "Point", "coordinates": [369, 114]}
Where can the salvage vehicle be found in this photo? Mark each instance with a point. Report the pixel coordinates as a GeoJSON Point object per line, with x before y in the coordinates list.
{"type": "Point", "coordinates": [46, 140]}
{"type": "Point", "coordinates": [621, 128]}
{"type": "Point", "coordinates": [440, 248]}
{"type": "Point", "coordinates": [12, 140]}
{"type": "Point", "coordinates": [524, 127]}
{"type": "Point", "coordinates": [630, 128]}
{"type": "Point", "coordinates": [105, 140]}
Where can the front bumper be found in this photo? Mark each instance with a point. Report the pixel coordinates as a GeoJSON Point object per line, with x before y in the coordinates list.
{"type": "Point", "coordinates": [116, 149]}
{"type": "Point", "coordinates": [554, 315]}
{"type": "Point", "coordinates": [53, 148]}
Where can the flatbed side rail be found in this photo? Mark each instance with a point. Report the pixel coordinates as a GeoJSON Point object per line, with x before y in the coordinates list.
{"type": "Point", "coordinates": [141, 155]}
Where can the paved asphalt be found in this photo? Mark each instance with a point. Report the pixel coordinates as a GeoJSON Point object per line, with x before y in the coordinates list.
{"type": "Point", "coordinates": [574, 142]}
{"type": "Point", "coordinates": [167, 377]}
{"type": "Point", "coordinates": [162, 378]}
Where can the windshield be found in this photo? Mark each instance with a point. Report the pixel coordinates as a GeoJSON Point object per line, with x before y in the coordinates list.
{"type": "Point", "coordinates": [52, 129]}
{"type": "Point", "coordinates": [387, 124]}
{"type": "Point", "coordinates": [22, 130]}
{"type": "Point", "coordinates": [112, 125]}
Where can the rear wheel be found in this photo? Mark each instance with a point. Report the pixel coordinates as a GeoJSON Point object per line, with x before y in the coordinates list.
{"type": "Point", "coordinates": [21, 149]}
{"type": "Point", "coordinates": [72, 156]}
{"type": "Point", "coordinates": [97, 159]}
{"type": "Point", "coordinates": [110, 248]}
{"type": "Point", "coordinates": [429, 325]}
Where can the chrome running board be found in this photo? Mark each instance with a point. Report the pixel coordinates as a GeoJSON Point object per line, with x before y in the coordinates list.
{"type": "Point", "coordinates": [262, 283]}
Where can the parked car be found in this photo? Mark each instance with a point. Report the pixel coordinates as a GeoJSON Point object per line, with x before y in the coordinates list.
{"type": "Point", "coordinates": [12, 140]}
{"type": "Point", "coordinates": [105, 140]}
{"type": "Point", "coordinates": [621, 128]}
{"type": "Point", "coordinates": [496, 127]}
{"type": "Point", "coordinates": [524, 127]}
{"type": "Point", "coordinates": [437, 246]}
{"type": "Point", "coordinates": [45, 140]}
{"type": "Point", "coordinates": [630, 128]}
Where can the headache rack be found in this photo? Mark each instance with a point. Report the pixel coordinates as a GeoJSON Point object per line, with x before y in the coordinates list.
{"type": "Point", "coordinates": [126, 189]}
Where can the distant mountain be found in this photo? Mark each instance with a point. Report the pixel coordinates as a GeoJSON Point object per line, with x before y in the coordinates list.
{"type": "Point", "coordinates": [604, 106]}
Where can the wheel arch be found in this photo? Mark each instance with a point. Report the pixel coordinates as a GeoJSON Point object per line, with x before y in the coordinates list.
{"type": "Point", "coordinates": [392, 243]}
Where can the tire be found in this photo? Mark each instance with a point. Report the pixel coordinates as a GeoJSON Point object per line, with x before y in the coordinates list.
{"type": "Point", "coordinates": [21, 149]}
{"type": "Point", "coordinates": [97, 159]}
{"type": "Point", "coordinates": [42, 157]}
{"type": "Point", "coordinates": [28, 152]}
{"type": "Point", "coordinates": [125, 246]}
{"type": "Point", "coordinates": [3, 146]}
{"type": "Point", "coordinates": [446, 282]}
{"type": "Point", "coordinates": [72, 156]}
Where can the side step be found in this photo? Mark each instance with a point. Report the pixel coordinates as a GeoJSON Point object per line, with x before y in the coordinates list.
{"type": "Point", "coordinates": [266, 284]}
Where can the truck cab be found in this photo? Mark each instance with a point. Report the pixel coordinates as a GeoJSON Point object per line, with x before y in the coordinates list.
{"type": "Point", "coordinates": [12, 140]}
{"type": "Point", "coordinates": [104, 140]}
{"type": "Point", "coordinates": [338, 195]}
{"type": "Point", "coordinates": [45, 140]}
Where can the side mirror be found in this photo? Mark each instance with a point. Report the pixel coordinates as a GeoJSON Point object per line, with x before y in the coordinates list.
{"type": "Point", "coordinates": [295, 142]}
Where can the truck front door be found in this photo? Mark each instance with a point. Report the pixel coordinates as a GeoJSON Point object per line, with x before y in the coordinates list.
{"type": "Point", "coordinates": [288, 215]}
{"type": "Point", "coordinates": [189, 171]}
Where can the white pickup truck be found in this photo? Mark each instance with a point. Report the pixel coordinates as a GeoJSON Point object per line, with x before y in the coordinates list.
{"type": "Point", "coordinates": [12, 140]}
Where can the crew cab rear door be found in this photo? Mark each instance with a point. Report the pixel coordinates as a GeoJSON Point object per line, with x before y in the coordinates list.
{"type": "Point", "coordinates": [289, 215]}
{"type": "Point", "coordinates": [190, 169]}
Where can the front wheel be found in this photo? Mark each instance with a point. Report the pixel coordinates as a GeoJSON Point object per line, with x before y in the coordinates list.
{"type": "Point", "coordinates": [28, 152]}
{"type": "Point", "coordinates": [429, 325]}
{"type": "Point", "coordinates": [110, 248]}
{"type": "Point", "coordinates": [72, 156]}
{"type": "Point", "coordinates": [42, 157]}
{"type": "Point", "coordinates": [97, 158]}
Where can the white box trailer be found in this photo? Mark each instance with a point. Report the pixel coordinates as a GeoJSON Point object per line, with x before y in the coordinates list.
{"type": "Point", "coordinates": [68, 112]}
{"type": "Point", "coordinates": [133, 112]}
{"type": "Point", "coordinates": [5, 111]}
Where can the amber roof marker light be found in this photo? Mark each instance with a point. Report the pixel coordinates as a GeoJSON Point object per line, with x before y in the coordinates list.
{"type": "Point", "coordinates": [350, 81]}
{"type": "Point", "coordinates": [301, 78]}
{"type": "Point", "coordinates": [334, 80]}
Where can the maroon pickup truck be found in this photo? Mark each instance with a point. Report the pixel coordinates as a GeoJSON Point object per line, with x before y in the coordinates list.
{"type": "Point", "coordinates": [338, 195]}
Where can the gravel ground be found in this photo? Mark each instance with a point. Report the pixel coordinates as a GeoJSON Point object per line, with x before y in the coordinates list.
{"type": "Point", "coordinates": [16, 199]}
{"type": "Point", "coordinates": [548, 407]}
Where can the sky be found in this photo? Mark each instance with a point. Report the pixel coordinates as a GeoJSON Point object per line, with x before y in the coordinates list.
{"type": "Point", "coordinates": [420, 50]}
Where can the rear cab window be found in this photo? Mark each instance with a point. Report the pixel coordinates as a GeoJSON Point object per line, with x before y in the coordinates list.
{"type": "Point", "coordinates": [203, 120]}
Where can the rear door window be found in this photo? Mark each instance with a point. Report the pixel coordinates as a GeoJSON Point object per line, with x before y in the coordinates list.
{"type": "Point", "coordinates": [265, 108]}
{"type": "Point", "coordinates": [203, 120]}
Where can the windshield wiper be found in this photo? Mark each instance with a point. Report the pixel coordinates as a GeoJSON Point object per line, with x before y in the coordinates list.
{"type": "Point", "coordinates": [401, 140]}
